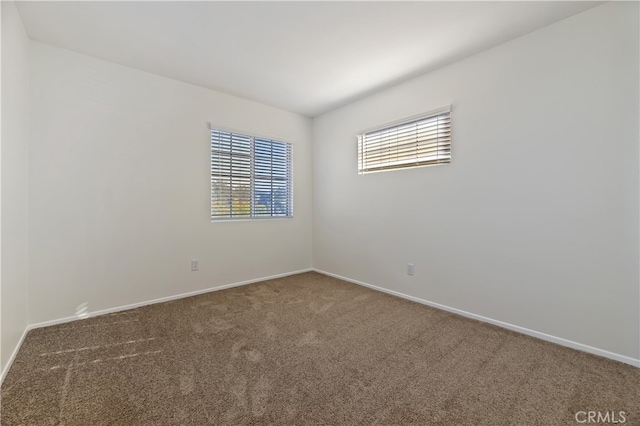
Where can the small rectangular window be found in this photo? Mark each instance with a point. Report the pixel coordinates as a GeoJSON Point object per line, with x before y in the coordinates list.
{"type": "Point", "coordinates": [250, 177]}
{"type": "Point", "coordinates": [421, 141]}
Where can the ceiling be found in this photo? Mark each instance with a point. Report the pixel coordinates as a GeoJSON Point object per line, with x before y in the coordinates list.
{"type": "Point", "coordinates": [305, 57]}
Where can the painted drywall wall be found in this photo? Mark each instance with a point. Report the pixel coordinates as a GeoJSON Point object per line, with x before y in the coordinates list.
{"type": "Point", "coordinates": [535, 222]}
{"type": "Point", "coordinates": [14, 175]}
{"type": "Point", "coordinates": [120, 188]}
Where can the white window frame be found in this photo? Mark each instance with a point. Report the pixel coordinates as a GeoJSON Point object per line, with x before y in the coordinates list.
{"type": "Point", "coordinates": [254, 168]}
{"type": "Point", "coordinates": [418, 141]}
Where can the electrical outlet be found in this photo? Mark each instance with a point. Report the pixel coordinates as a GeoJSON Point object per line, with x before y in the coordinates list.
{"type": "Point", "coordinates": [194, 265]}
{"type": "Point", "coordinates": [409, 268]}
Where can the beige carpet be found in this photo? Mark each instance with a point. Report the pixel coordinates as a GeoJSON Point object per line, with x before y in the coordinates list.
{"type": "Point", "coordinates": [305, 349]}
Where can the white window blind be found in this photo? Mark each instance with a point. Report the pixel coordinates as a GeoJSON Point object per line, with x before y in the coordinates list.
{"type": "Point", "coordinates": [421, 141]}
{"type": "Point", "coordinates": [250, 177]}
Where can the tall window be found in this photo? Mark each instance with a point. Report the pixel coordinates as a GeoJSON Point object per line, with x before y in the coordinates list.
{"type": "Point", "coordinates": [250, 177]}
{"type": "Point", "coordinates": [421, 141]}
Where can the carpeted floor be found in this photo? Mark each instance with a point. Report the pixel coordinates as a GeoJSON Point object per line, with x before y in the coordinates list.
{"type": "Point", "coordinates": [305, 349]}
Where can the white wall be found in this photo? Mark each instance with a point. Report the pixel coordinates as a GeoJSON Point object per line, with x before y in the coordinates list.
{"type": "Point", "coordinates": [14, 175]}
{"type": "Point", "coordinates": [120, 188]}
{"type": "Point", "coordinates": [535, 222]}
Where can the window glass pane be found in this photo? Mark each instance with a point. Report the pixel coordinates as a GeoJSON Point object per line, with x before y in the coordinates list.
{"type": "Point", "coordinates": [250, 177]}
{"type": "Point", "coordinates": [418, 142]}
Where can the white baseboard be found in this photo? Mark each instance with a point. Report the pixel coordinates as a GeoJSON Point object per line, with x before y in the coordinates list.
{"type": "Point", "coordinates": [162, 299]}
{"type": "Point", "coordinates": [564, 342]}
{"type": "Point", "coordinates": [549, 338]}
{"type": "Point", "coordinates": [13, 355]}
{"type": "Point", "coordinates": [136, 305]}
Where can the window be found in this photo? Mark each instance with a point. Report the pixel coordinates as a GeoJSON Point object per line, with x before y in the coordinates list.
{"type": "Point", "coordinates": [250, 177]}
{"type": "Point", "coordinates": [421, 141]}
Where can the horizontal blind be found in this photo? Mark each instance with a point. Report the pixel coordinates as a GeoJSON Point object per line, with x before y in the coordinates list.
{"type": "Point", "coordinates": [418, 142]}
{"type": "Point", "coordinates": [272, 178]}
{"type": "Point", "coordinates": [250, 177]}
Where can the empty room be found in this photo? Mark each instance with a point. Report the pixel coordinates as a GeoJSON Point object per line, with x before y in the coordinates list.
{"type": "Point", "coordinates": [332, 213]}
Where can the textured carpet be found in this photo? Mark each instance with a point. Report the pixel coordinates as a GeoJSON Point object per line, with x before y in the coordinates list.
{"type": "Point", "coordinates": [305, 349]}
